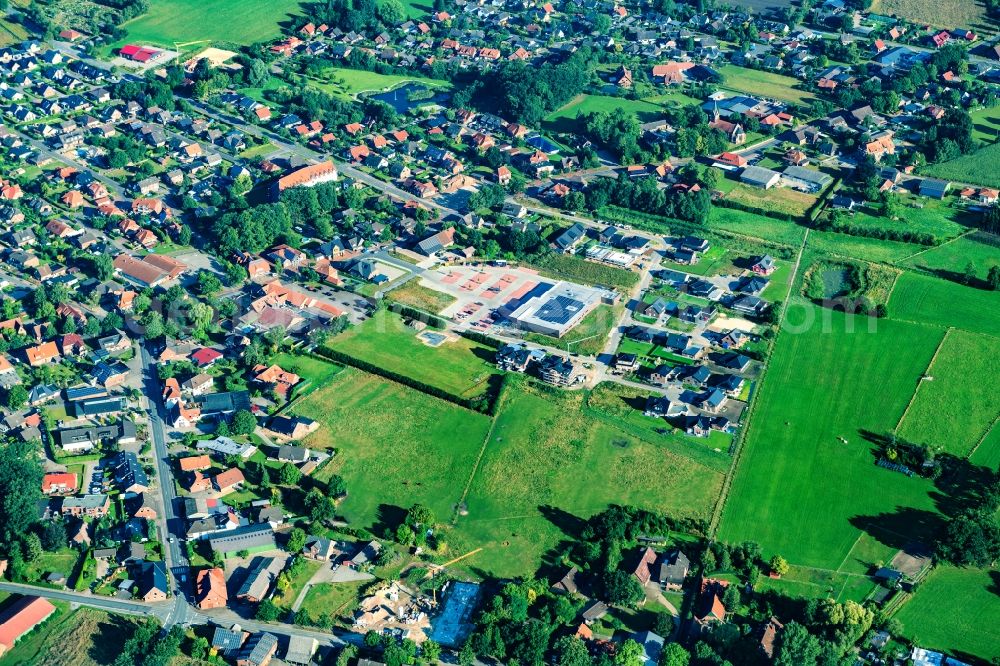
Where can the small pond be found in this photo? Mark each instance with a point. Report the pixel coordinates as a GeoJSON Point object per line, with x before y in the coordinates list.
{"type": "Point", "coordinates": [409, 96]}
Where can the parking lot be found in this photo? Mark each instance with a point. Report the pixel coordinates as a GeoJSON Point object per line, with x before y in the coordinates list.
{"type": "Point", "coordinates": [479, 290]}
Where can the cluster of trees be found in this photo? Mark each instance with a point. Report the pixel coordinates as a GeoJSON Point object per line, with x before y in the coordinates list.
{"type": "Point", "coordinates": [394, 652]}
{"type": "Point", "coordinates": [949, 137]}
{"type": "Point", "coordinates": [618, 131]}
{"type": "Point", "coordinates": [505, 242]}
{"type": "Point", "coordinates": [973, 536]}
{"type": "Point", "coordinates": [694, 136]}
{"type": "Point", "coordinates": [358, 15]}
{"type": "Point", "coordinates": [253, 230]}
{"type": "Point", "coordinates": [100, 18]}
{"type": "Point", "coordinates": [526, 93]}
{"type": "Point", "coordinates": [147, 647]}
{"type": "Point", "coordinates": [645, 195]}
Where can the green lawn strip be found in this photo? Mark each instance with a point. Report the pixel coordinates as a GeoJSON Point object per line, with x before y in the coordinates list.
{"type": "Point", "coordinates": [548, 464]}
{"type": "Point", "coordinates": [714, 262]}
{"type": "Point", "coordinates": [986, 124]}
{"type": "Point", "coordinates": [316, 371]}
{"type": "Point", "coordinates": [460, 367]}
{"type": "Point", "coordinates": [925, 299]}
{"type": "Point", "coordinates": [955, 610]}
{"type": "Point", "coordinates": [306, 570]}
{"type": "Point", "coordinates": [756, 226]}
{"type": "Point", "coordinates": [394, 446]}
{"type": "Point", "coordinates": [800, 491]}
{"type": "Point", "coordinates": [965, 373]}
{"type": "Point", "coordinates": [766, 84]}
{"type": "Point", "coordinates": [860, 247]}
{"type": "Point", "coordinates": [987, 453]}
{"type": "Point", "coordinates": [808, 583]}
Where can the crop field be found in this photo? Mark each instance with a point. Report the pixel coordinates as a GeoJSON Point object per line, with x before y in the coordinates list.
{"type": "Point", "coordinates": [547, 465]}
{"type": "Point", "coordinates": [978, 168]}
{"type": "Point", "coordinates": [418, 296]}
{"type": "Point", "coordinates": [981, 249]}
{"type": "Point", "coordinates": [460, 367]}
{"type": "Point", "coordinates": [988, 453]}
{"type": "Point", "coordinates": [395, 446]}
{"type": "Point", "coordinates": [799, 490]}
{"type": "Point", "coordinates": [929, 300]}
{"type": "Point", "coordinates": [776, 200]}
{"type": "Point", "coordinates": [964, 373]}
{"type": "Point", "coordinates": [940, 13]}
{"type": "Point", "coordinates": [756, 226]}
{"type": "Point", "coordinates": [950, 611]}
{"type": "Point", "coordinates": [171, 21]}
{"type": "Point", "coordinates": [11, 33]}
{"type": "Point", "coordinates": [84, 637]}
{"type": "Point", "coordinates": [764, 84]}
{"type": "Point", "coordinates": [565, 118]}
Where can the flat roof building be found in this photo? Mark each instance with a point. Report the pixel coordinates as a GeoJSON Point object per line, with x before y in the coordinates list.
{"type": "Point", "coordinates": [553, 309]}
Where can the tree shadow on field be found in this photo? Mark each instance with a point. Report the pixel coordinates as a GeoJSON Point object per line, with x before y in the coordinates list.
{"type": "Point", "coordinates": [898, 528]}
{"type": "Point", "coordinates": [994, 586]}
{"type": "Point", "coordinates": [107, 641]}
{"type": "Point", "coordinates": [388, 518]}
{"type": "Point", "coordinates": [484, 354]}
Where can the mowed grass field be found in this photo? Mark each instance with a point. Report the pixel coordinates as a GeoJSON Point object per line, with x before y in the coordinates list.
{"type": "Point", "coordinates": [460, 367]}
{"type": "Point", "coordinates": [755, 226]}
{"type": "Point", "coordinates": [981, 249]}
{"type": "Point", "coordinates": [349, 82]}
{"type": "Point", "coordinates": [245, 22]}
{"type": "Point", "coordinates": [394, 445]}
{"type": "Point", "coordinates": [951, 611]}
{"type": "Point", "coordinates": [765, 84]}
{"type": "Point", "coordinates": [801, 492]}
{"type": "Point", "coordinates": [547, 465]}
{"type": "Point", "coordinates": [986, 124]}
{"type": "Point", "coordinates": [978, 168]}
{"type": "Point", "coordinates": [964, 377]}
{"type": "Point", "coordinates": [565, 118]}
{"type": "Point", "coordinates": [929, 300]}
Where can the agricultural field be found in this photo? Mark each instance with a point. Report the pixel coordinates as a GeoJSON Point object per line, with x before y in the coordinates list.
{"type": "Point", "coordinates": [418, 296]}
{"type": "Point", "coordinates": [765, 84]}
{"type": "Point", "coordinates": [799, 489]}
{"type": "Point", "coordinates": [394, 446]}
{"type": "Point", "coordinates": [860, 247]}
{"type": "Point", "coordinates": [931, 217]}
{"type": "Point", "coordinates": [11, 33]}
{"type": "Point", "coordinates": [776, 200]}
{"type": "Point", "coordinates": [976, 168]}
{"type": "Point", "coordinates": [568, 118]}
{"type": "Point", "coordinates": [459, 366]}
{"type": "Point", "coordinates": [84, 637]}
{"type": "Point", "coordinates": [207, 21]}
{"type": "Point", "coordinates": [547, 465]}
{"type": "Point", "coordinates": [755, 226]}
{"type": "Point", "coordinates": [964, 372]}
{"type": "Point", "coordinates": [929, 300]}
{"type": "Point", "coordinates": [940, 13]}
{"type": "Point", "coordinates": [576, 269]}
{"type": "Point", "coordinates": [950, 612]}
{"type": "Point", "coordinates": [979, 248]}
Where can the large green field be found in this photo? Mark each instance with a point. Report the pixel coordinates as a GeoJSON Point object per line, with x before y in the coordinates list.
{"type": "Point", "coordinates": [799, 490]}
{"type": "Point", "coordinates": [564, 119]}
{"type": "Point", "coordinates": [171, 21]}
{"type": "Point", "coordinates": [978, 168]}
{"type": "Point", "coordinates": [929, 300]}
{"type": "Point", "coordinates": [349, 82]}
{"type": "Point", "coordinates": [963, 375]}
{"type": "Point", "coordinates": [394, 445]}
{"type": "Point", "coordinates": [756, 226]}
{"type": "Point", "coordinates": [548, 464]}
{"type": "Point", "coordinates": [460, 366]}
{"type": "Point", "coordinates": [955, 610]}
{"type": "Point", "coordinates": [981, 249]}
{"type": "Point", "coordinates": [764, 84]}
{"type": "Point", "coordinates": [986, 124]}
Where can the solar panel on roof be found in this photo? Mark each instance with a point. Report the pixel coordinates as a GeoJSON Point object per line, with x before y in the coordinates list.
{"type": "Point", "coordinates": [559, 310]}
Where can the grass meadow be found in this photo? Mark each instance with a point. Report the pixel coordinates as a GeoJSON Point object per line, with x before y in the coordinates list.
{"type": "Point", "coordinates": [965, 371]}
{"type": "Point", "coordinates": [951, 610]}
{"type": "Point", "coordinates": [766, 84]}
{"type": "Point", "coordinates": [756, 226]}
{"type": "Point", "coordinates": [246, 22]}
{"type": "Point", "coordinates": [394, 445]}
{"type": "Point", "coordinates": [980, 248]}
{"type": "Point", "coordinates": [776, 200]}
{"type": "Point", "coordinates": [986, 124]}
{"type": "Point", "coordinates": [940, 13]}
{"type": "Point", "coordinates": [416, 295]}
{"type": "Point", "coordinates": [460, 367]}
{"type": "Point", "coordinates": [799, 490]}
{"type": "Point", "coordinates": [347, 83]}
{"type": "Point", "coordinates": [547, 465]}
{"type": "Point", "coordinates": [568, 118]}
{"type": "Point", "coordinates": [928, 300]}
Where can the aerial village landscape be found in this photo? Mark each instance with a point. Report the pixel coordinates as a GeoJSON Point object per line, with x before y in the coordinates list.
{"type": "Point", "coordinates": [574, 333]}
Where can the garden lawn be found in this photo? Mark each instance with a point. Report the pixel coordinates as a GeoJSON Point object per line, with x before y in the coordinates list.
{"type": "Point", "coordinates": [964, 381]}
{"type": "Point", "coordinates": [333, 598]}
{"type": "Point", "coordinates": [713, 262]}
{"type": "Point", "coordinates": [394, 446]}
{"type": "Point", "coordinates": [569, 117]}
{"type": "Point", "coordinates": [245, 22]}
{"type": "Point", "coordinates": [548, 465]}
{"type": "Point", "coordinates": [929, 300]}
{"type": "Point", "coordinates": [798, 490]}
{"type": "Point", "coordinates": [460, 367]}
{"type": "Point", "coordinates": [986, 124]}
{"type": "Point", "coordinates": [981, 249]}
{"type": "Point", "coordinates": [306, 571]}
{"type": "Point", "coordinates": [808, 583]}
{"type": "Point", "coordinates": [978, 168]}
{"type": "Point", "coordinates": [953, 611]}
{"type": "Point", "coordinates": [416, 295]}
{"type": "Point", "coordinates": [350, 82]}
{"type": "Point", "coordinates": [764, 84]}
{"type": "Point", "coordinates": [316, 371]}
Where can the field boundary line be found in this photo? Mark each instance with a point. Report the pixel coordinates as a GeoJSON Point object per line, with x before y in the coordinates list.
{"type": "Point", "coordinates": [934, 247]}
{"type": "Point", "coordinates": [920, 381]}
{"type": "Point", "coordinates": [983, 438]}
{"type": "Point", "coordinates": [501, 399]}
{"type": "Point", "coordinates": [727, 483]}
{"type": "Point", "coordinates": [850, 550]}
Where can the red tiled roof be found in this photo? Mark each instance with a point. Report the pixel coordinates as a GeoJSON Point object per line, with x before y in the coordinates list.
{"type": "Point", "coordinates": [22, 616]}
